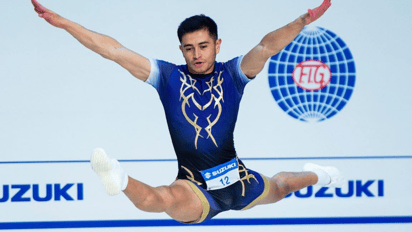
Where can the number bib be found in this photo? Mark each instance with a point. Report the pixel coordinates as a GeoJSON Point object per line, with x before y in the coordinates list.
{"type": "Point", "coordinates": [222, 175]}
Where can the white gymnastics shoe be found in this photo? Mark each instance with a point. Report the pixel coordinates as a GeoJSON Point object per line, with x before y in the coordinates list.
{"type": "Point", "coordinates": [112, 175]}
{"type": "Point", "coordinates": [327, 176]}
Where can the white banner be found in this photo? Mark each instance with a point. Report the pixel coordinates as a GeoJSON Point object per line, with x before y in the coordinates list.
{"type": "Point", "coordinates": [59, 101]}
{"type": "Point", "coordinates": [72, 192]}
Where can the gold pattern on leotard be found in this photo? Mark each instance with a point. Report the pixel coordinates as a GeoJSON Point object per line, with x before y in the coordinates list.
{"type": "Point", "coordinates": [246, 177]}
{"type": "Point", "coordinates": [189, 83]}
{"type": "Point", "coordinates": [191, 177]}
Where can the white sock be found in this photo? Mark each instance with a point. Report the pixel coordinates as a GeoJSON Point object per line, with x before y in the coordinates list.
{"type": "Point", "coordinates": [124, 181]}
{"type": "Point", "coordinates": [323, 177]}
{"type": "Point", "coordinates": [124, 178]}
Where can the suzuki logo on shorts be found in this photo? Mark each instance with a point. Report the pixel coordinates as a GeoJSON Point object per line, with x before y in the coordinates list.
{"type": "Point", "coordinates": [41, 193]}
{"type": "Point", "coordinates": [358, 188]}
{"type": "Point", "coordinates": [208, 175]}
{"type": "Point", "coordinates": [223, 169]}
{"type": "Point", "coordinates": [311, 75]}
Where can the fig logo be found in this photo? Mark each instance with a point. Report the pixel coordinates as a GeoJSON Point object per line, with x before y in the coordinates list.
{"type": "Point", "coordinates": [313, 78]}
{"type": "Point", "coordinates": [312, 75]}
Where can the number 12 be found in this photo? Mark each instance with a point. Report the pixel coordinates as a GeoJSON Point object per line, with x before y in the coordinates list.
{"type": "Point", "coordinates": [225, 181]}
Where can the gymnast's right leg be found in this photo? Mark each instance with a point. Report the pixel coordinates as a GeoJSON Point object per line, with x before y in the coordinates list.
{"type": "Point", "coordinates": [178, 200]}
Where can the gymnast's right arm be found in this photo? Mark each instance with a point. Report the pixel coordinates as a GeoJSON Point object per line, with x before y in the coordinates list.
{"type": "Point", "coordinates": [106, 46]}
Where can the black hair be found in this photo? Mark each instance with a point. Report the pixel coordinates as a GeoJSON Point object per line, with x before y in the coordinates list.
{"type": "Point", "coordinates": [195, 23]}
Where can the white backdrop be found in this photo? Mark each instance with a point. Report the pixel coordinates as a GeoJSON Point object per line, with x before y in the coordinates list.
{"type": "Point", "coordinates": [58, 101]}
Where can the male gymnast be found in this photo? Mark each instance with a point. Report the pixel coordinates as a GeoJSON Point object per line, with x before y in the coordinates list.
{"type": "Point", "coordinates": [201, 102]}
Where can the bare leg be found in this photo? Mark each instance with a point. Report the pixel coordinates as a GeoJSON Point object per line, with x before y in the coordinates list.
{"type": "Point", "coordinates": [286, 182]}
{"type": "Point", "coordinates": [178, 200]}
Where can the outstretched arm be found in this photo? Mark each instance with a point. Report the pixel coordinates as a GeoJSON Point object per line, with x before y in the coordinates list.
{"type": "Point", "coordinates": [104, 45]}
{"type": "Point", "coordinates": [275, 41]}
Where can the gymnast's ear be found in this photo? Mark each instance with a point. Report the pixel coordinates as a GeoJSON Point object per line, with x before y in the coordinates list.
{"type": "Point", "coordinates": [218, 43]}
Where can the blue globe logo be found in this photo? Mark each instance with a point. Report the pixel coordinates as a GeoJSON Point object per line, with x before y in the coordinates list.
{"type": "Point", "coordinates": [313, 78]}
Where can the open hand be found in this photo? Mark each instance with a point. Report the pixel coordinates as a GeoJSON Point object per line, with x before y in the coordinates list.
{"type": "Point", "coordinates": [317, 12]}
{"type": "Point", "coordinates": [51, 17]}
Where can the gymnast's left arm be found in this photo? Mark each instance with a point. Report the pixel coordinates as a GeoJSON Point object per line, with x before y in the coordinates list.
{"type": "Point", "coordinates": [272, 43]}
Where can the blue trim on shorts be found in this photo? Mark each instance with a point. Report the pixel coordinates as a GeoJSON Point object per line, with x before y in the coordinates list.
{"type": "Point", "coordinates": [231, 197]}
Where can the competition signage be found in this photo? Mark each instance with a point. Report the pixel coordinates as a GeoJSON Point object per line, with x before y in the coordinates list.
{"type": "Point", "coordinates": [353, 188]}
{"type": "Point", "coordinates": [52, 192]}
{"type": "Point", "coordinates": [313, 78]}
{"type": "Point", "coordinates": [41, 198]}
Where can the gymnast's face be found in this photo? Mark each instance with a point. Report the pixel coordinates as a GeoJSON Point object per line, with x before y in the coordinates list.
{"type": "Point", "coordinates": [199, 49]}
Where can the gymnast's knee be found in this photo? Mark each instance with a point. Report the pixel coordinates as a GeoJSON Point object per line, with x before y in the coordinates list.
{"type": "Point", "coordinates": [282, 185]}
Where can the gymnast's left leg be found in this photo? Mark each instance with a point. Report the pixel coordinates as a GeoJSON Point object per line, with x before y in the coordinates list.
{"type": "Point", "coordinates": [284, 183]}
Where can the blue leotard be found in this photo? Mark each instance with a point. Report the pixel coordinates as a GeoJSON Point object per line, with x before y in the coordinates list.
{"type": "Point", "coordinates": [201, 114]}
